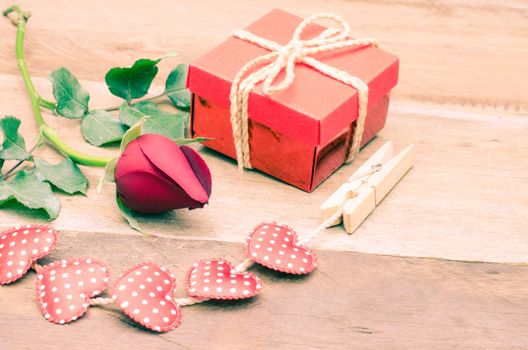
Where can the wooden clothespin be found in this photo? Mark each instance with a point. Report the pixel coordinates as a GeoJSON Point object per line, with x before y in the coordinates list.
{"type": "Point", "coordinates": [366, 188]}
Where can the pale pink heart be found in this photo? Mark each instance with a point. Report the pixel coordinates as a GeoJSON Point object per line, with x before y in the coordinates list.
{"type": "Point", "coordinates": [216, 279]}
{"type": "Point", "coordinates": [275, 246]}
{"type": "Point", "coordinates": [64, 288]}
{"type": "Point", "coordinates": [21, 246]}
{"type": "Point", "coordinates": [145, 293]}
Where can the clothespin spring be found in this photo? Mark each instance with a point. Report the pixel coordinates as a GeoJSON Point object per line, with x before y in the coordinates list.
{"type": "Point", "coordinates": [374, 169]}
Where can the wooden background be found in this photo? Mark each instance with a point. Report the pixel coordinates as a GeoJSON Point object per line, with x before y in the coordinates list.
{"type": "Point", "coordinates": [462, 98]}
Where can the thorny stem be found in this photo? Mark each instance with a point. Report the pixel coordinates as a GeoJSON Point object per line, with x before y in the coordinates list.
{"type": "Point", "coordinates": [19, 20]}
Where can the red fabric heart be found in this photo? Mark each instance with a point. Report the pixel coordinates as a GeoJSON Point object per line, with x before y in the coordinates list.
{"type": "Point", "coordinates": [145, 293]}
{"type": "Point", "coordinates": [64, 288]}
{"type": "Point", "coordinates": [215, 279]}
{"type": "Point", "coordinates": [21, 246]}
{"type": "Point", "coordinates": [275, 246]}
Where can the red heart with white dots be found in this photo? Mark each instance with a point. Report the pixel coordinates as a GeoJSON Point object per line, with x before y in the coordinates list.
{"type": "Point", "coordinates": [275, 246]}
{"type": "Point", "coordinates": [145, 293]}
{"type": "Point", "coordinates": [216, 279]}
{"type": "Point", "coordinates": [21, 246]}
{"type": "Point", "coordinates": [64, 288]}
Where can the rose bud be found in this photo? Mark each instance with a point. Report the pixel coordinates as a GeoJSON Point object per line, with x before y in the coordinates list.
{"type": "Point", "coordinates": [154, 175]}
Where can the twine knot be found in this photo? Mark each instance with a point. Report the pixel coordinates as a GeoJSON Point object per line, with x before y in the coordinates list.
{"type": "Point", "coordinates": [283, 58]}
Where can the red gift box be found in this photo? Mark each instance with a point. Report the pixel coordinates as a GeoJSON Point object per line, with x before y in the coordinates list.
{"type": "Point", "coordinates": [298, 135]}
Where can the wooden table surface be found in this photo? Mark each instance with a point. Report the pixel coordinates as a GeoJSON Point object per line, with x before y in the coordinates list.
{"type": "Point", "coordinates": [438, 265]}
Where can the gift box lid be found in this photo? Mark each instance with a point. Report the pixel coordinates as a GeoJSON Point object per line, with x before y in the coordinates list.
{"type": "Point", "coordinates": [315, 108]}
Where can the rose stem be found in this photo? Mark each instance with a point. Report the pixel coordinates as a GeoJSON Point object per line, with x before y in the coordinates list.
{"type": "Point", "coordinates": [51, 105]}
{"type": "Point", "coordinates": [36, 101]}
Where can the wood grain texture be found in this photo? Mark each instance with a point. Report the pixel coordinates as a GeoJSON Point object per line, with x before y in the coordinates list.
{"type": "Point", "coordinates": [352, 300]}
{"type": "Point", "coordinates": [461, 100]}
{"type": "Point", "coordinates": [465, 53]}
{"type": "Point", "coordinates": [465, 199]}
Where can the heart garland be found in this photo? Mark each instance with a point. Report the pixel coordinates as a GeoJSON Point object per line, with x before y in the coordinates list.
{"type": "Point", "coordinates": [145, 292]}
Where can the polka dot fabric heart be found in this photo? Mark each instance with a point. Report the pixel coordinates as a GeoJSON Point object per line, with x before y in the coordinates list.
{"type": "Point", "coordinates": [21, 246]}
{"type": "Point", "coordinates": [64, 288]}
{"type": "Point", "coordinates": [275, 246]}
{"type": "Point", "coordinates": [216, 279]}
{"type": "Point", "coordinates": [145, 294]}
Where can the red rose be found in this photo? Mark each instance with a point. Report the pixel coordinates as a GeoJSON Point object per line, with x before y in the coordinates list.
{"type": "Point", "coordinates": [154, 175]}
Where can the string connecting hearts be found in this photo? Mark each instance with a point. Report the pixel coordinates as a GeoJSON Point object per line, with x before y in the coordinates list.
{"type": "Point", "coordinates": [67, 288]}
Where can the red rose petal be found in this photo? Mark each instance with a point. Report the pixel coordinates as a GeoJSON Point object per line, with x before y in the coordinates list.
{"type": "Point", "coordinates": [199, 167]}
{"type": "Point", "coordinates": [133, 159]}
{"type": "Point", "coordinates": [145, 294]}
{"type": "Point", "coordinates": [168, 157]}
{"type": "Point", "coordinates": [214, 279]}
{"type": "Point", "coordinates": [275, 246]}
{"type": "Point", "coordinates": [64, 288]}
{"type": "Point", "coordinates": [21, 246]}
{"type": "Point", "coordinates": [159, 196]}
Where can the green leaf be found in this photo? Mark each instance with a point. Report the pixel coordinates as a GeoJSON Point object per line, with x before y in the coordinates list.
{"type": "Point", "coordinates": [99, 127]}
{"type": "Point", "coordinates": [129, 115]}
{"type": "Point", "coordinates": [128, 215]}
{"type": "Point", "coordinates": [5, 194]}
{"type": "Point", "coordinates": [180, 142]}
{"type": "Point", "coordinates": [14, 146]}
{"type": "Point", "coordinates": [65, 175]}
{"type": "Point", "coordinates": [108, 175]}
{"type": "Point", "coordinates": [132, 82]}
{"type": "Point", "coordinates": [28, 190]}
{"type": "Point", "coordinates": [72, 98]}
{"type": "Point", "coordinates": [176, 89]}
{"type": "Point", "coordinates": [131, 134]}
{"type": "Point", "coordinates": [171, 126]}
{"type": "Point", "coordinates": [150, 109]}
{"type": "Point", "coordinates": [156, 120]}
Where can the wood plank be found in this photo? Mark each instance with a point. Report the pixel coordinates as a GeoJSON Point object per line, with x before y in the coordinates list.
{"type": "Point", "coordinates": [351, 300]}
{"type": "Point", "coordinates": [455, 52]}
{"type": "Point", "coordinates": [465, 199]}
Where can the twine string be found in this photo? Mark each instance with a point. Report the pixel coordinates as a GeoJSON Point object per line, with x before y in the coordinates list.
{"type": "Point", "coordinates": [265, 69]}
{"type": "Point", "coordinates": [36, 266]}
{"type": "Point", "coordinates": [101, 301]}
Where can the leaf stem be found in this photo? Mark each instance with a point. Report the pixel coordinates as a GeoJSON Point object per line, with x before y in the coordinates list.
{"type": "Point", "coordinates": [47, 104]}
{"type": "Point", "coordinates": [20, 162]}
{"type": "Point", "coordinates": [149, 99]}
{"type": "Point", "coordinates": [52, 106]}
{"type": "Point", "coordinates": [36, 101]}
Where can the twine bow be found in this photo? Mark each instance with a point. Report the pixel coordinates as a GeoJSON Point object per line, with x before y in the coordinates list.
{"type": "Point", "coordinates": [284, 58]}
